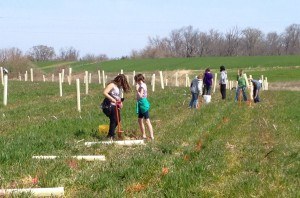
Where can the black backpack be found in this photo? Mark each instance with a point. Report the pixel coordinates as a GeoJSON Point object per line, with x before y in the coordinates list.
{"type": "Point", "coordinates": [106, 107]}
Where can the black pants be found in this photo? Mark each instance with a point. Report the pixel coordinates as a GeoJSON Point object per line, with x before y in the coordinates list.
{"type": "Point", "coordinates": [113, 121]}
{"type": "Point", "coordinates": [223, 91]}
{"type": "Point", "coordinates": [254, 93]}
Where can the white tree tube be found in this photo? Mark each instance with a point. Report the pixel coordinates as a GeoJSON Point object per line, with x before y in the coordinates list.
{"type": "Point", "coordinates": [78, 94]}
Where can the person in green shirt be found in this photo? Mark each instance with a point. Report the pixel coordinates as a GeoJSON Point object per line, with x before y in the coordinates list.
{"type": "Point", "coordinates": [242, 85]}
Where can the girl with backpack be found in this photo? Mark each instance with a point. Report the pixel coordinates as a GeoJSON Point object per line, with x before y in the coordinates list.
{"type": "Point", "coordinates": [112, 94]}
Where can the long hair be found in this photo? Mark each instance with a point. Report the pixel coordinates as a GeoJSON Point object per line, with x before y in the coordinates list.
{"type": "Point", "coordinates": [121, 81]}
{"type": "Point", "coordinates": [139, 77]}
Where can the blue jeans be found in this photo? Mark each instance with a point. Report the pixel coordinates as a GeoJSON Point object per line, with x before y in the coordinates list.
{"type": "Point", "coordinates": [243, 89]}
{"type": "Point", "coordinates": [207, 90]}
{"type": "Point", "coordinates": [194, 100]}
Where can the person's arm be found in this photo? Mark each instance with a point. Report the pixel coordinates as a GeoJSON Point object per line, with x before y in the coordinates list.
{"type": "Point", "coordinates": [107, 90]}
{"type": "Point", "coordinates": [140, 92]}
{"type": "Point", "coordinates": [256, 93]}
{"type": "Point", "coordinates": [200, 84]}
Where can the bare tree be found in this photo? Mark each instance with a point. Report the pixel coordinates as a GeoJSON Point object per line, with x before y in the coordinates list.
{"type": "Point", "coordinates": [41, 53]}
{"type": "Point", "coordinates": [92, 57]}
{"type": "Point", "coordinates": [291, 39]}
{"type": "Point", "coordinates": [273, 44]}
{"type": "Point", "coordinates": [177, 43]}
{"type": "Point", "coordinates": [69, 54]}
{"type": "Point", "coordinates": [231, 41]}
{"type": "Point", "coordinates": [215, 44]}
{"type": "Point", "coordinates": [251, 40]}
{"type": "Point", "coordinates": [189, 40]}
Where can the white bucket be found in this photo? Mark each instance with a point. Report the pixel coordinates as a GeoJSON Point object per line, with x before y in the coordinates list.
{"type": "Point", "coordinates": [207, 98]}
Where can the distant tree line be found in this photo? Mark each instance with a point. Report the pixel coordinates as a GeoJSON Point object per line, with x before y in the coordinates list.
{"type": "Point", "coordinates": [17, 61]}
{"type": "Point", "coordinates": [190, 42]}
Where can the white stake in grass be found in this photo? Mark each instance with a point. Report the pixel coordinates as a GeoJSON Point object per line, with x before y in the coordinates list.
{"type": "Point", "coordinates": [26, 76]}
{"type": "Point", "coordinates": [60, 84]}
{"type": "Point", "coordinates": [86, 83]}
{"type": "Point", "coordinates": [36, 192]}
{"type": "Point", "coordinates": [31, 75]}
{"type": "Point", "coordinates": [1, 73]}
{"type": "Point", "coordinates": [90, 78]}
{"type": "Point", "coordinates": [120, 142]}
{"type": "Point", "coordinates": [70, 76]}
{"type": "Point", "coordinates": [266, 84]}
{"type": "Point", "coordinates": [78, 157]}
{"type": "Point", "coordinates": [103, 78]}
{"type": "Point", "coordinates": [153, 82]}
{"type": "Point", "coordinates": [161, 80]}
{"type": "Point", "coordinates": [62, 75]}
{"type": "Point", "coordinates": [262, 82]}
{"type": "Point", "coordinates": [187, 80]}
{"type": "Point", "coordinates": [5, 81]}
{"type": "Point", "coordinates": [215, 82]}
{"type": "Point", "coordinates": [99, 77]}
{"type": "Point", "coordinates": [78, 94]}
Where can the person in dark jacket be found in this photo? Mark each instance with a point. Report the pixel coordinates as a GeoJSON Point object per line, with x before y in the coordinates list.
{"type": "Point", "coordinates": [207, 81]}
{"type": "Point", "coordinates": [256, 87]}
{"type": "Point", "coordinates": [223, 81]}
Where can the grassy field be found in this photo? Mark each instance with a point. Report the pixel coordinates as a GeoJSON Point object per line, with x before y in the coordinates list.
{"type": "Point", "coordinates": [221, 150]}
{"type": "Point", "coordinates": [276, 68]}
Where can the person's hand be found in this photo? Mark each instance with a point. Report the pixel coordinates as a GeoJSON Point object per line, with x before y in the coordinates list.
{"type": "Point", "coordinates": [119, 104]}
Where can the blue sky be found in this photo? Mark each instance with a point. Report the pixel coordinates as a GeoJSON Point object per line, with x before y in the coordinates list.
{"type": "Point", "coordinates": [116, 27]}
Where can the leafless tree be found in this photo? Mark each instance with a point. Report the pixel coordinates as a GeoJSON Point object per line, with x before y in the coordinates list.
{"type": "Point", "coordinates": [176, 43]}
{"type": "Point", "coordinates": [69, 54]}
{"type": "Point", "coordinates": [251, 40]}
{"type": "Point", "coordinates": [41, 53]}
{"type": "Point", "coordinates": [231, 41]}
{"type": "Point", "coordinates": [291, 39]}
{"type": "Point", "coordinates": [92, 57]}
{"type": "Point", "coordinates": [273, 44]}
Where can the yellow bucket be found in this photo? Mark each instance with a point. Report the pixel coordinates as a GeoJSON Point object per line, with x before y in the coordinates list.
{"type": "Point", "coordinates": [103, 128]}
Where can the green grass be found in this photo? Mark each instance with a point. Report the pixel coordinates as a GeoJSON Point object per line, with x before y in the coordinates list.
{"type": "Point", "coordinates": [168, 64]}
{"type": "Point", "coordinates": [200, 63]}
{"type": "Point", "coordinates": [275, 68]}
{"type": "Point", "coordinates": [221, 150]}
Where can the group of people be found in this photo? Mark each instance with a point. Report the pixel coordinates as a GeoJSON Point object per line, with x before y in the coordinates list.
{"type": "Point", "coordinates": [112, 93]}
{"type": "Point", "coordinates": [202, 85]}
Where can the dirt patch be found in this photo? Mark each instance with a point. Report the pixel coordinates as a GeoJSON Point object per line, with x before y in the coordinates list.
{"type": "Point", "coordinates": [290, 86]}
